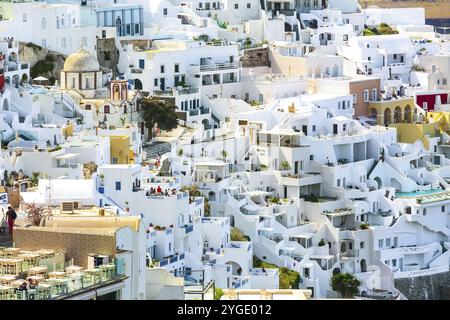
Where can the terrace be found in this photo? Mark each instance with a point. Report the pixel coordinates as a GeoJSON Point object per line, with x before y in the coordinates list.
{"type": "Point", "coordinates": [44, 275]}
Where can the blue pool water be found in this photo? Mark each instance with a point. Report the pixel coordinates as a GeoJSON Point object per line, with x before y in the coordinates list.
{"type": "Point", "coordinates": [417, 193]}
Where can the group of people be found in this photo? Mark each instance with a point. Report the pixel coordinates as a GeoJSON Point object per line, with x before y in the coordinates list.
{"type": "Point", "coordinates": [159, 192]}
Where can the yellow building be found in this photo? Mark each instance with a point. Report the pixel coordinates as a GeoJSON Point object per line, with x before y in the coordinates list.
{"type": "Point", "coordinates": [402, 110]}
{"type": "Point", "coordinates": [411, 132]}
{"type": "Point", "coordinates": [441, 118]}
{"type": "Point", "coordinates": [120, 150]}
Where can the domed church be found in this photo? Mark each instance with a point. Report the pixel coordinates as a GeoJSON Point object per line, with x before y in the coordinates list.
{"type": "Point", "coordinates": [82, 73]}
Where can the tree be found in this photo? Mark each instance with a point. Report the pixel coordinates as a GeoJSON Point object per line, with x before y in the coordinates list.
{"type": "Point", "coordinates": [345, 284]}
{"type": "Point", "coordinates": [35, 213]}
{"type": "Point", "coordinates": [158, 111]}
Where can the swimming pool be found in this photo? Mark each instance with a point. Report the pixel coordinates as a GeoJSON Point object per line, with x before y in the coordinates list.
{"type": "Point", "coordinates": [418, 193]}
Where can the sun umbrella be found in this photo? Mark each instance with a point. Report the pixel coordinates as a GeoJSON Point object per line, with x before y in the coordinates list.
{"type": "Point", "coordinates": [40, 78]}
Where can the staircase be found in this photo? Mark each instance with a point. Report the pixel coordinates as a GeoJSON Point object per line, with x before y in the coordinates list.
{"type": "Point", "coordinates": [154, 149]}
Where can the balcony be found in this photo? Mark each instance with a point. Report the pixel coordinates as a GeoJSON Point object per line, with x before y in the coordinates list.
{"type": "Point", "coordinates": [196, 69]}
{"type": "Point", "coordinates": [350, 254]}
{"type": "Point", "coordinates": [198, 112]}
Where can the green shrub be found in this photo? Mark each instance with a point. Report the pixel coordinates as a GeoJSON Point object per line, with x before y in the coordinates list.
{"type": "Point", "coordinates": [218, 293]}
{"type": "Point", "coordinates": [321, 243]}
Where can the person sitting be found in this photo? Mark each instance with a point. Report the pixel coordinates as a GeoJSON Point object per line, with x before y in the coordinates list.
{"type": "Point", "coordinates": [159, 190]}
{"type": "Point", "coordinates": [166, 193]}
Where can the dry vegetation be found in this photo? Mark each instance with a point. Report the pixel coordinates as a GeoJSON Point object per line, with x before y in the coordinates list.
{"type": "Point", "coordinates": [435, 9]}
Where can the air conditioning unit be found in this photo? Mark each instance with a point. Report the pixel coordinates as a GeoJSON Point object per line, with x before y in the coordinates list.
{"type": "Point", "coordinates": [69, 206]}
{"type": "Point", "coordinates": [95, 260]}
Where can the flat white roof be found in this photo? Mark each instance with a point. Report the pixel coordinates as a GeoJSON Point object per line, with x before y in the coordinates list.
{"type": "Point", "coordinates": [67, 156]}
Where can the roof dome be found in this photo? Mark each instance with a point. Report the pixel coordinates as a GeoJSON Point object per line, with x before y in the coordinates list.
{"type": "Point", "coordinates": [81, 61]}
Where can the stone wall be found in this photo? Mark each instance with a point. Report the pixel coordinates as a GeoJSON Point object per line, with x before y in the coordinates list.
{"type": "Point", "coordinates": [76, 245]}
{"type": "Point", "coordinates": [257, 57]}
{"type": "Point", "coordinates": [432, 287]}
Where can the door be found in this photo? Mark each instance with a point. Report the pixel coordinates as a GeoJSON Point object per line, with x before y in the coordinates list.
{"type": "Point", "coordinates": [162, 84]}
{"type": "Point", "coordinates": [305, 130]}
{"type": "Point", "coordinates": [141, 64]}
{"type": "Point", "coordinates": [335, 129]}
{"type": "Point", "coordinates": [285, 192]}
{"type": "Point", "coordinates": [296, 167]}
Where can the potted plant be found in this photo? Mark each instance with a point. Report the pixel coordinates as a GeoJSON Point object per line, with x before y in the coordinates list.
{"type": "Point", "coordinates": [180, 152]}
{"type": "Point", "coordinates": [285, 165]}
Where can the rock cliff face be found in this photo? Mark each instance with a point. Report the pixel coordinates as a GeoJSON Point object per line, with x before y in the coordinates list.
{"type": "Point", "coordinates": [43, 62]}
{"type": "Point", "coordinates": [107, 55]}
{"type": "Point", "coordinates": [433, 287]}
{"type": "Point", "coordinates": [258, 57]}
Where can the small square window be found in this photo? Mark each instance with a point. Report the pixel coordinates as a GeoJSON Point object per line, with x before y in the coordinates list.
{"type": "Point", "coordinates": [249, 5]}
{"type": "Point", "coordinates": [236, 5]}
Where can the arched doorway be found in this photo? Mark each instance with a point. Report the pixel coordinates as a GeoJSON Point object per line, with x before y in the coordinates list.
{"type": "Point", "coordinates": [137, 84]}
{"type": "Point", "coordinates": [206, 125]}
{"type": "Point", "coordinates": [373, 114]}
{"type": "Point", "coordinates": [387, 116]}
{"type": "Point", "coordinates": [378, 180]}
{"type": "Point", "coordinates": [119, 26]}
{"type": "Point", "coordinates": [408, 117]}
{"type": "Point", "coordinates": [363, 265]}
{"type": "Point", "coordinates": [398, 115]}
{"type": "Point", "coordinates": [336, 271]}
{"type": "Point", "coordinates": [236, 268]}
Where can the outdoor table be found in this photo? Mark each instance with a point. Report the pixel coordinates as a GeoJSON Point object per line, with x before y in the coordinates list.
{"type": "Point", "coordinates": [41, 270]}
{"type": "Point", "coordinates": [107, 271]}
{"type": "Point", "coordinates": [93, 275]}
{"type": "Point", "coordinates": [73, 269]}
{"type": "Point", "coordinates": [44, 291]}
{"type": "Point", "coordinates": [59, 286]}
{"type": "Point", "coordinates": [11, 252]}
{"type": "Point", "coordinates": [10, 266]}
{"type": "Point", "coordinates": [56, 275]}
{"type": "Point", "coordinates": [7, 279]}
{"type": "Point", "coordinates": [6, 293]}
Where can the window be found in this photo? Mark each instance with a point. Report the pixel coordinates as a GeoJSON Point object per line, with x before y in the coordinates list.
{"type": "Point", "coordinates": [443, 208]}
{"type": "Point", "coordinates": [366, 95]}
{"type": "Point", "coordinates": [354, 98]}
{"type": "Point", "coordinates": [177, 68]}
{"type": "Point", "coordinates": [136, 28]}
{"type": "Point", "coordinates": [394, 262]}
{"type": "Point", "coordinates": [444, 81]}
{"type": "Point", "coordinates": [106, 109]}
{"type": "Point", "coordinates": [388, 242]}
{"type": "Point", "coordinates": [63, 42]}
{"type": "Point", "coordinates": [155, 82]}
{"type": "Point", "coordinates": [425, 105]}
{"type": "Point", "coordinates": [165, 11]}
{"type": "Point", "coordinates": [314, 128]}
{"type": "Point", "coordinates": [311, 157]}
{"type": "Point", "coordinates": [162, 69]}
{"type": "Point", "coordinates": [87, 107]}
{"type": "Point", "coordinates": [236, 5]}
{"type": "Point", "coordinates": [424, 212]}
{"type": "Point", "coordinates": [44, 43]}
{"type": "Point", "coordinates": [344, 127]}
{"type": "Point", "coordinates": [361, 245]}
{"type": "Point", "coordinates": [118, 186]}
{"type": "Point", "coordinates": [374, 94]}
{"type": "Point", "coordinates": [338, 182]}
{"type": "Point", "coordinates": [345, 37]}
{"type": "Point", "coordinates": [24, 17]}
{"type": "Point", "coordinates": [249, 5]}
{"type": "Point", "coordinates": [380, 243]}
{"type": "Point", "coordinates": [43, 23]}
